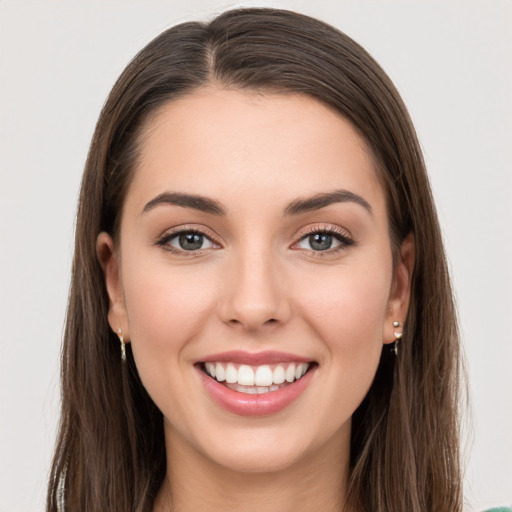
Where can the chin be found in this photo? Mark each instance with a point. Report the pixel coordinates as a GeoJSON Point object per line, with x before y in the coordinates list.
{"type": "Point", "coordinates": [258, 458]}
{"type": "Point", "coordinates": [273, 448]}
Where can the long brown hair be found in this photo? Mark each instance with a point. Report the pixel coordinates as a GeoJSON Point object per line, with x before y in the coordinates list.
{"type": "Point", "coordinates": [405, 446]}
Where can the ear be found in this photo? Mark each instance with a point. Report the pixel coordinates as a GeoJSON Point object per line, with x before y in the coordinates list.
{"type": "Point", "coordinates": [109, 261]}
{"type": "Point", "coordinates": [400, 295]}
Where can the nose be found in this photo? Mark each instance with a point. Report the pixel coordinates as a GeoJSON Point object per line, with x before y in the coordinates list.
{"type": "Point", "coordinates": [255, 297]}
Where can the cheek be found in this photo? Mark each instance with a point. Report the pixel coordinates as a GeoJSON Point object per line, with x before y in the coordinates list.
{"type": "Point", "coordinates": [166, 313]}
{"type": "Point", "coordinates": [348, 306]}
{"type": "Point", "coordinates": [162, 303]}
{"type": "Point", "coordinates": [348, 313]}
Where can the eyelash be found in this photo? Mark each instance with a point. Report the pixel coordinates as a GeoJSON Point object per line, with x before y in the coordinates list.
{"type": "Point", "coordinates": [341, 236]}
{"type": "Point", "coordinates": [164, 240]}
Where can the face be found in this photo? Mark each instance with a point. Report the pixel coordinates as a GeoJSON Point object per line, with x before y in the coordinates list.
{"type": "Point", "coordinates": [254, 246]}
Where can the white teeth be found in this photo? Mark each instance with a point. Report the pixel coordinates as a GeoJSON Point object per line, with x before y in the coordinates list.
{"type": "Point", "coordinates": [290, 373]}
{"type": "Point", "coordinates": [210, 368]}
{"type": "Point", "coordinates": [220, 374]}
{"type": "Point", "coordinates": [278, 376]}
{"type": "Point", "coordinates": [300, 370]}
{"type": "Point", "coordinates": [245, 375]}
{"type": "Point", "coordinates": [231, 374]}
{"type": "Point", "coordinates": [251, 390]}
{"type": "Point", "coordinates": [263, 376]}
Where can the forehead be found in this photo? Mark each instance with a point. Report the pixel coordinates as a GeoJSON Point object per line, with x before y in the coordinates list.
{"type": "Point", "coordinates": [233, 144]}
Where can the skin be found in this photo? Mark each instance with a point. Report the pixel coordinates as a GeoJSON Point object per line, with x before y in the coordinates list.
{"type": "Point", "coordinates": [258, 285]}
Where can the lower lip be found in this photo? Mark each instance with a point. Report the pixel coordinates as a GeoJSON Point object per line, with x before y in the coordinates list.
{"type": "Point", "coordinates": [261, 404]}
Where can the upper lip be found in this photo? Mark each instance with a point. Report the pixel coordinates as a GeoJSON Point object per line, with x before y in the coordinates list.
{"type": "Point", "coordinates": [254, 358]}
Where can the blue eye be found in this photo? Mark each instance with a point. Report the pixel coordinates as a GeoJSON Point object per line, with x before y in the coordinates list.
{"type": "Point", "coordinates": [319, 242]}
{"type": "Point", "coordinates": [187, 241]}
{"type": "Point", "coordinates": [324, 241]}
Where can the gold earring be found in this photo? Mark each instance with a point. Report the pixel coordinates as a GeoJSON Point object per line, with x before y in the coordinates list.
{"type": "Point", "coordinates": [397, 335]}
{"type": "Point", "coordinates": [123, 349]}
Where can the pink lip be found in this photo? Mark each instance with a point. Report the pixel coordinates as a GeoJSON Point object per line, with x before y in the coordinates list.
{"type": "Point", "coordinates": [263, 404]}
{"type": "Point", "coordinates": [254, 359]}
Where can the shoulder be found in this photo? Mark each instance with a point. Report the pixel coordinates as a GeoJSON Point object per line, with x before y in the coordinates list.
{"type": "Point", "coordinates": [499, 509]}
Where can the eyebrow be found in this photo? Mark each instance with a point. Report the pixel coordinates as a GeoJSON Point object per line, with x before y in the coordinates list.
{"type": "Point", "coordinates": [214, 207]}
{"type": "Point", "coordinates": [319, 201]}
{"type": "Point", "coordinates": [203, 204]}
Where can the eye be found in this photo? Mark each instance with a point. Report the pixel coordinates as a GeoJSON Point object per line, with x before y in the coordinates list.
{"type": "Point", "coordinates": [186, 241]}
{"type": "Point", "coordinates": [319, 242]}
{"type": "Point", "coordinates": [190, 242]}
{"type": "Point", "coordinates": [324, 240]}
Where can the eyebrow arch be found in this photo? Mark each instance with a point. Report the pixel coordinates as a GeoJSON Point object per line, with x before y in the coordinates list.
{"type": "Point", "coordinates": [196, 202]}
{"type": "Point", "coordinates": [319, 201]}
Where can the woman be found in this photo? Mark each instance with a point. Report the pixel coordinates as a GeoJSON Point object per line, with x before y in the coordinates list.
{"type": "Point", "coordinates": [260, 314]}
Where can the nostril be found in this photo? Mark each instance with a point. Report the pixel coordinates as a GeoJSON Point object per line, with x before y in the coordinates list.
{"type": "Point", "coordinates": [269, 322]}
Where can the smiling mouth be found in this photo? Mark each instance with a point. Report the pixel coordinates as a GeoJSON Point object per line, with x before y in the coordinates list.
{"type": "Point", "coordinates": [256, 380]}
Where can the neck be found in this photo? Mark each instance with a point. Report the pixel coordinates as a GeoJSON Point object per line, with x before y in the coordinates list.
{"type": "Point", "coordinates": [194, 482]}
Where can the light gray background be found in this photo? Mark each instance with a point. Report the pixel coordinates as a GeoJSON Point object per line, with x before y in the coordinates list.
{"type": "Point", "coordinates": [452, 61]}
